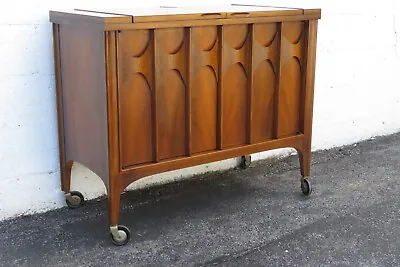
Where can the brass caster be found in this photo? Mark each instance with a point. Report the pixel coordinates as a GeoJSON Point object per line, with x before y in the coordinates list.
{"type": "Point", "coordinates": [306, 187]}
{"type": "Point", "coordinates": [74, 199]}
{"type": "Point", "coordinates": [119, 235]}
{"type": "Point", "coordinates": [246, 161]}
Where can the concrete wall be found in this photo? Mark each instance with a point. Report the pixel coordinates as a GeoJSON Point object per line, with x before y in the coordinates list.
{"type": "Point", "coordinates": [357, 93]}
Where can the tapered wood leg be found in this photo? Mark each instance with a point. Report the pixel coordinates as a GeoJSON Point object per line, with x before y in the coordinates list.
{"type": "Point", "coordinates": [119, 234]}
{"type": "Point", "coordinates": [114, 199]}
{"type": "Point", "coordinates": [305, 166]}
{"type": "Point", "coordinates": [307, 109]}
{"type": "Point", "coordinates": [305, 162]}
{"type": "Point", "coordinates": [74, 199]}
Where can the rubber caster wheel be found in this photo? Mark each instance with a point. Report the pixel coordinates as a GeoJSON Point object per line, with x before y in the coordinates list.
{"type": "Point", "coordinates": [120, 235]}
{"type": "Point", "coordinates": [306, 187]}
{"type": "Point", "coordinates": [246, 161]}
{"type": "Point", "coordinates": [74, 199]}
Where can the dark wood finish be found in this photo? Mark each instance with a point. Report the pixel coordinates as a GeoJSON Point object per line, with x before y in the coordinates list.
{"type": "Point", "coordinates": [291, 62]}
{"type": "Point", "coordinates": [143, 93]}
{"type": "Point", "coordinates": [65, 177]}
{"type": "Point", "coordinates": [171, 75]}
{"type": "Point", "coordinates": [234, 84]}
{"type": "Point", "coordinates": [84, 101]}
{"type": "Point", "coordinates": [162, 14]}
{"type": "Point", "coordinates": [204, 88]}
{"type": "Point", "coordinates": [114, 178]}
{"type": "Point", "coordinates": [209, 22]}
{"type": "Point", "coordinates": [135, 173]}
{"type": "Point", "coordinates": [117, 19]}
{"type": "Point", "coordinates": [308, 97]}
{"type": "Point", "coordinates": [265, 61]}
{"type": "Point", "coordinates": [135, 83]}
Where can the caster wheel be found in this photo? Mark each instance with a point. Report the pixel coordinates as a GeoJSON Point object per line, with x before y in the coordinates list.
{"type": "Point", "coordinates": [120, 235]}
{"type": "Point", "coordinates": [246, 161]}
{"type": "Point", "coordinates": [74, 199]}
{"type": "Point", "coordinates": [306, 187]}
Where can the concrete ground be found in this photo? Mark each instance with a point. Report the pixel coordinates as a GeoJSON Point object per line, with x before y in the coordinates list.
{"type": "Point", "coordinates": [252, 217]}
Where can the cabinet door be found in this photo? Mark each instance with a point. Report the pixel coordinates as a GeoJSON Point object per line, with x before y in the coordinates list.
{"type": "Point", "coordinates": [135, 97]}
{"type": "Point", "coordinates": [235, 62]}
{"type": "Point", "coordinates": [171, 75]}
{"type": "Point", "coordinates": [291, 79]}
{"type": "Point", "coordinates": [204, 88]}
{"type": "Point", "coordinates": [265, 61]}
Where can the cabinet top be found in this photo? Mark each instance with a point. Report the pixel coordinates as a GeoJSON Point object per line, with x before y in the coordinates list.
{"type": "Point", "coordinates": [172, 13]}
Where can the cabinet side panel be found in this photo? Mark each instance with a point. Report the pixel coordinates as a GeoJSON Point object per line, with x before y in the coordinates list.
{"type": "Point", "coordinates": [82, 57]}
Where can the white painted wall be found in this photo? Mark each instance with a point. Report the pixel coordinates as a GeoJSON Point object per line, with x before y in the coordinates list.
{"type": "Point", "coordinates": [357, 92]}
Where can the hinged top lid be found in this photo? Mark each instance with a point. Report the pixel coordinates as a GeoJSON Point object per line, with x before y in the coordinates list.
{"type": "Point", "coordinates": [170, 13]}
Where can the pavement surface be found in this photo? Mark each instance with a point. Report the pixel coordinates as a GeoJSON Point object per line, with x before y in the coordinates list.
{"type": "Point", "coordinates": [252, 217]}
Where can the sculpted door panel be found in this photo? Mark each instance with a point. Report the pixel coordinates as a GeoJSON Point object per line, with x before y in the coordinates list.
{"type": "Point", "coordinates": [291, 82]}
{"type": "Point", "coordinates": [135, 57]}
{"type": "Point", "coordinates": [263, 102]}
{"type": "Point", "coordinates": [171, 72]}
{"type": "Point", "coordinates": [234, 85]}
{"type": "Point", "coordinates": [204, 89]}
{"type": "Point", "coordinates": [265, 81]}
{"type": "Point", "coordinates": [204, 111]}
{"type": "Point", "coordinates": [185, 91]}
{"type": "Point", "coordinates": [171, 115]}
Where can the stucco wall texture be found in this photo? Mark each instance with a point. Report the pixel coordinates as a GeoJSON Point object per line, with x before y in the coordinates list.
{"type": "Point", "coordinates": [357, 93]}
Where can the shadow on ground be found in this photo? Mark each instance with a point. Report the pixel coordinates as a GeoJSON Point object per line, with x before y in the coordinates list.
{"type": "Point", "coordinates": [252, 217]}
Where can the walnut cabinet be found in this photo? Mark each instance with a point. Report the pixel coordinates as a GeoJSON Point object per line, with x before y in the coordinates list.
{"type": "Point", "coordinates": [145, 91]}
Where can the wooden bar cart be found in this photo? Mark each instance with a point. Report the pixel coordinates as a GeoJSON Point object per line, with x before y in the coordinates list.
{"type": "Point", "coordinates": [145, 91]}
